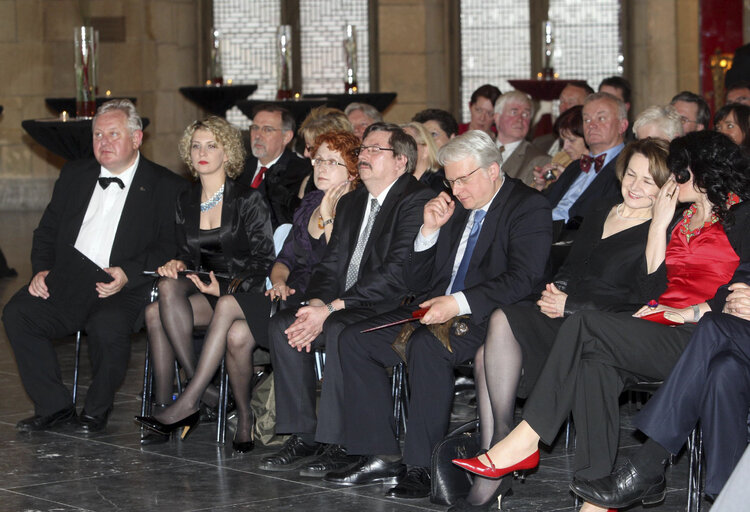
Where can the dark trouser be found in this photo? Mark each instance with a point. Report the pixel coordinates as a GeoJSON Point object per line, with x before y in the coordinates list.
{"type": "Point", "coordinates": [710, 382]}
{"type": "Point", "coordinates": [295, 380]}
{"type": "Point", "coordinates": [370, 426]}
{"type": "Point", "coordinates": [31, 323]}
{"type": "Point", "coordinates": [594, 355]}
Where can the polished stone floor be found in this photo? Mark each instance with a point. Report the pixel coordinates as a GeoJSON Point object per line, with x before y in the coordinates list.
{"type": "Point", "coordinates": [62, 471]}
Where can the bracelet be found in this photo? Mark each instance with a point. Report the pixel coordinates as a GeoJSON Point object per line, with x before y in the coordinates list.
{"type": "Point", "coordinates": [696, 313]}
{"type": "Point", "coordinates": [330, 307]}
{"type": "Point", "coordinates": [323, 223]}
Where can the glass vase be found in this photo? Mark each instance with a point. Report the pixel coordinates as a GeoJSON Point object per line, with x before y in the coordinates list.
{"type": "Point", "coordinates": [85, 71]}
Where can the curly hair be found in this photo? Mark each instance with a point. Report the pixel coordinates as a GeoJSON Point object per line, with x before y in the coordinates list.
{"type": "Point", "coordinates": [741, 116]}
{"type": "Point", "coordinates": [718, 165]}
{"type": "Point", "coordinates": [226, 135]}
{"type": "Point", "coordinates": [347, 144]}
{"type": "Point", "coordinates": [654, 150]}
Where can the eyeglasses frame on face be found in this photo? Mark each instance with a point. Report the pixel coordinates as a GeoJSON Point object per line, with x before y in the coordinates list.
{"type": "Point", "coordinates": [481, 111]}
{"type": "Point", "coordinates": [685, 120]}
{"type": "Point", "coordinates": [327, 163]}
{"type": "Point", "coordinates": [267, 130]}
{"type": "Point", "coordinates": [374, 150]}
{"type": "Point", "coordinates": [460, 180]}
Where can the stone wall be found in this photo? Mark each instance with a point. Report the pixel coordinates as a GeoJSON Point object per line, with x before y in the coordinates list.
{"type": "Point", "coordinates": [158, 54]}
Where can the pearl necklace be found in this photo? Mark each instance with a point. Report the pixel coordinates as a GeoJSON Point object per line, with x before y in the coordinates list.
{"type": "Point", "coordinates": [214, 200]}
{"type": "Point", "coordinates": [619, 214]}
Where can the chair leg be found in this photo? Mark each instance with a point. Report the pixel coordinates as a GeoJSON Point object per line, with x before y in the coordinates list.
{"type": "Point", "coordinates": [76, 365]}
{"type": "Point", "coordinates": [320, 363]}
{"type": "Point", "coordinates": [221, 423]}
{"type": "Point", "coordinates": [400, 394]}
{"type": "Point", "coordinates": [148, 383]}
{"type": "Point", "coordinates": [695, 446]}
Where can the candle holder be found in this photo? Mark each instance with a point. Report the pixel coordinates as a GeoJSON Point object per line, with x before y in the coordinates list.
{"type": "Point", "coordinates": [84, 40]}
{"type": "Point", "coordinates": [548, 50]}
{"type": "Point", "coordinates": [215, 72]}
{"type": "Point", "coordinates": [350, 57]}
{"type": "Point", "coordinates": [284, 62]}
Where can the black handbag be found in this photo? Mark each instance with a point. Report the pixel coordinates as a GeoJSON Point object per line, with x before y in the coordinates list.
{"type": "Point", "coordinates": [449, 482]}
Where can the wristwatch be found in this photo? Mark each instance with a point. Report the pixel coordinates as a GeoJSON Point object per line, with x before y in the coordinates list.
{"type": "Point", "coordinates": [330, 307]}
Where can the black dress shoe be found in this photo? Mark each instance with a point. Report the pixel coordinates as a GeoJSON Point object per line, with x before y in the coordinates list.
{"type": "Point", "coordinates": [367, 470]}
{"type": "Point", "coordinates": [416, 484]}
{"type": "Point", "coordinates": [333, 458]}
{"type": "Point", "coordinates": [88, 424]}
{"type": "Point", "coordinates": [36, 422]}
{"type": "Point", "coordinates": [622, 488]}
{"type": "Point", "coordinates": [293, 454]}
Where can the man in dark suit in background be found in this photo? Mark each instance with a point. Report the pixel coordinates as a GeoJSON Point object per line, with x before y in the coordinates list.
{"type": "Point", "coordinates": [275, 171]}
{"type": "Point", "coordinates": [119, 211]}
{"type": "Point", "coordinates": [360, 275]}
{"type": "Point", "coordinates": [485, 248]}
{"type": "Point", "coordinates": [592, 177]}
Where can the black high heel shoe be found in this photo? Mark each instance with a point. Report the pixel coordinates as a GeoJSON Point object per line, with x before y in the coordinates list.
{"type": "Point", "coordinates": [187, 424]}
{"type": "Point", "coordinates": [503, 491]}
{"type": "Point", "coordinates": [151, 437]}
{"type": "Point", "coordinates": [246, 446]}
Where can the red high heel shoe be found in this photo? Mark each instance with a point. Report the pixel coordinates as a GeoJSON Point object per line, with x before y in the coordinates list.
{"type": "Point", "coordinates": [478, 468]}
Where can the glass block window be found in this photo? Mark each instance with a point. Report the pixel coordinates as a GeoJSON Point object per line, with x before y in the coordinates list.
{"type": "Point", "coordinates": [322, 25]}
{"type": "Point", "coordinates": [495, 45]}
{"type": "Point", "coordinates": [248, 46]}
{"type": "Point", "coordinates": [587, 39]}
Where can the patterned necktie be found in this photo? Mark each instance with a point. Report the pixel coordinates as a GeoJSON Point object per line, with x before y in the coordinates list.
{"type": "Point", "coordinates": [458, 282]}
{"type": "Point", "coordinates": [259, 178]}
{"type": "Point", "coordinates": [353, 271]}
{"type": "Point", "coordinates": [587, 161]}
{"type": "Point", "coordinates": [105, 182]}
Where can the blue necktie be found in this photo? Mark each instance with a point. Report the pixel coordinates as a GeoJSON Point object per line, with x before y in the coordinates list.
{"type": "Point", "coordinates": [458, 282]}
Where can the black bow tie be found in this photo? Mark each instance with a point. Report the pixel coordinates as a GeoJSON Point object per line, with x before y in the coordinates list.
{"type": "Point", "coordinates": [105, 182]}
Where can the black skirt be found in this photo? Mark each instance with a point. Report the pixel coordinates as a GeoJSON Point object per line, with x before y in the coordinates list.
{"type": "Point", "coordinates": [535, 333]}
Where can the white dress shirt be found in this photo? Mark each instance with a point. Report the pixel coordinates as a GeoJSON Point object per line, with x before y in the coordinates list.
{"type": "Point", "coordinates": [97, 234]}
{"type": "Point", "coordinates": [267, 166]}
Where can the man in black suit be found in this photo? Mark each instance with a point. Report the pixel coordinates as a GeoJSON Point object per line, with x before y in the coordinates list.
{"type": "Point", "coordinates": [275, 171]}
{"type": "Point", "coordinates": [470, 256]}
{"type": "Point", "coordinates": [592, 177]}
{"type": "Point", "coordinates": [118, 210]}
{"type": "Point", "coordinates": [359, 276]}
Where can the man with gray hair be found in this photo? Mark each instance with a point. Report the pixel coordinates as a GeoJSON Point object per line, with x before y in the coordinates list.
{"type": "Point", "coordinates": [115, 211]}
{"type": "Point", "coordinates": [362, 115]}
{"type": "Point", "coordinates": [483, 248]}
{"type": "Point", "coordinates": [513, 113]}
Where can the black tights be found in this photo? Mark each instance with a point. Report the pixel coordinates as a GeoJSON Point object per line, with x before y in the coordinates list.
{"type": "Point", "coordinates": [227, 332]}
{"type": "Point", "coordinates": [497, 370]}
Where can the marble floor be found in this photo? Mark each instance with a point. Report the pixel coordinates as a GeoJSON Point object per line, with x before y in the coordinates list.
{"type": "Point", "coordinates": [63, 471]}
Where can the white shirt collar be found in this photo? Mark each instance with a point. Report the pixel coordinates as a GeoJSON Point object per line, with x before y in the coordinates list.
{"type": "Point", "coordinates": [126, 176]}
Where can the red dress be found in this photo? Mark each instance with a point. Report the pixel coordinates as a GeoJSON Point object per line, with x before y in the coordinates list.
{"type": "Point", "coordinates": [697, 265]}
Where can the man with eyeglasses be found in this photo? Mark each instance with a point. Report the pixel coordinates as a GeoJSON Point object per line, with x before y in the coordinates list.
{"type": "Point", "coordinates": [513, 113]}
{"type": "Point", "coordinates": [693, 111]}
{"type": "Point", "coordinates": [275, 171]}
{"type": "Point", "coordinates": [482, 110]}
{"type": "Point", "coordinates": [484, 247]}
{"type": "Point", "coordinates": [360, 275]}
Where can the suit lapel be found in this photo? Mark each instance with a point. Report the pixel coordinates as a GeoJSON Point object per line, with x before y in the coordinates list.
{"type": "Point", "coordinates": [81, 198]}
{"type": "Point", "coordinates": [512, 165]}
{"type": "Point", "coordinates": [487, 235]}
{"type": "Point", "coordinates": [137, 209]}
{"type": "Point", "coordinates": [391, 200]}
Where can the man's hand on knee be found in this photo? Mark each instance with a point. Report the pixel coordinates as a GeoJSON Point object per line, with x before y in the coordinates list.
{"type": "Point", "coordinates": [38, 287]}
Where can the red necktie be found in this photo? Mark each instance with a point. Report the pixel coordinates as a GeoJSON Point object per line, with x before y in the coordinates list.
{"type": "Point", "coordinates": [587, 161]}
{"type": "Point", "coordinates": [259, 178]}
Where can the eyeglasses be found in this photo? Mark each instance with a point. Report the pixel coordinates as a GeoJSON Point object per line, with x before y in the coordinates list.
{"type": "Point", "coordinates": [685, 120]}
{"type": "Point", "coordinates": [326, 163]}
{"type": "Point", "coordinates": [482, 112]}
{"type": "Point", "coordinates": [373, 150]}
{"type": "Point", "coordinates": [459, 181]}
{"type": "Point", "coordinates": [267, 130]}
